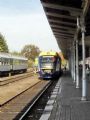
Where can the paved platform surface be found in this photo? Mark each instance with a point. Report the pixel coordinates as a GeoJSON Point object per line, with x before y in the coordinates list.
{"type": "Point", "coordinates": [67, 105]}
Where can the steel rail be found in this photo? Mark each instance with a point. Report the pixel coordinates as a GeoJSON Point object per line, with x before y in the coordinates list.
{"type": "Point", "coordinates": [17, 78]}
{"type": "Point", "coordinates": [34, 101]}
{"type": "Point", "coordinates": [19, 94]}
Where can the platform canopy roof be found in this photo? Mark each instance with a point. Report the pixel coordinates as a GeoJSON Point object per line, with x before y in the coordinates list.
{"type": "Point", "coordinates": [62, 16]}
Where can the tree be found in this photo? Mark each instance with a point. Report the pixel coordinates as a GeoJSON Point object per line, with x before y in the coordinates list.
{"type": "Point", "coordinates": [30, 51]}
{"type": "Point", "coordinates": [16, 53]}
{"type": "Point", "coordinates": [3, 44]}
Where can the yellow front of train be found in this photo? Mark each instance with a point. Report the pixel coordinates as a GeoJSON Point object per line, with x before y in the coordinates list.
{"type": "Point", "coordinates": [47, 64]}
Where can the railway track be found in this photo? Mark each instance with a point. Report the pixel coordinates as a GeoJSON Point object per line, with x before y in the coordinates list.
{"type": "Point", "coordinates": [35, 110]}
{"type": "Point", "coordinates": [17, 106]}
{"type": "Point", "coordinates": [24, 115]}
{"type": "Point", "coordinates": [5, 81]}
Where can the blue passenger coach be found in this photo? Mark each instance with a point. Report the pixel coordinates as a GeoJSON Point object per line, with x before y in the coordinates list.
{"type": "Point", "coordinates": [49, 64]}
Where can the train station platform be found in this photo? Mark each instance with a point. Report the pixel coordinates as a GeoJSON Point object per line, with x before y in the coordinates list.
{"type": "Point", "coordinates": [65, 102]}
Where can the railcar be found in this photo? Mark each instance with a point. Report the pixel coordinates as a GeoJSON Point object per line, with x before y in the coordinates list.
{"type": "Point", "coordinates": [10, 63]}
{"type": "Point", "coordinates": [49, 64]}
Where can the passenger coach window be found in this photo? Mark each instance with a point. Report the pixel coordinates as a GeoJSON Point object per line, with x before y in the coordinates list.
{"type": "Point", "coordinates": [0, 62]}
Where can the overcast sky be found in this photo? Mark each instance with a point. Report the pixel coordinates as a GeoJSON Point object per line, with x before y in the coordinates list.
{"type": "Point", "coordinates": [24, 22]}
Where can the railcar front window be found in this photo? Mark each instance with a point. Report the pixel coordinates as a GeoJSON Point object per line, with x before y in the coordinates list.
{"type": "Point", "coordinates": [47, 59]}
{"type": "Point", "coordinates": [48, 65]}
{"type": "Point", "coordinates": [47, 62]}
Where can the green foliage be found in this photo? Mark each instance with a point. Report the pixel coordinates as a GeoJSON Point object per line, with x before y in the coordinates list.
{"type": "Point", "coordinates": [30, 51]}
{"type": "Point", "coordinates": [64, 63]}
{"type": "Point", "coordinates": [3, 44]}
{"type": "Point", "coordinates": [30, 63]}
{"type": "Point", "coordinates": [16, 53]}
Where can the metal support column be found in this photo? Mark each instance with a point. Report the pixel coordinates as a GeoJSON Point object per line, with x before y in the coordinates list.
{"type": "Point", "coordinates": [74, 69]}
{"type": "Point", "coordinates": [70, 65]}
{"type": "Point", "coordinates": [77, 68]}
{"type": "Point", "coordinates": [84, 86]}
{"type": "Point", "coordinates": [72, 61]}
